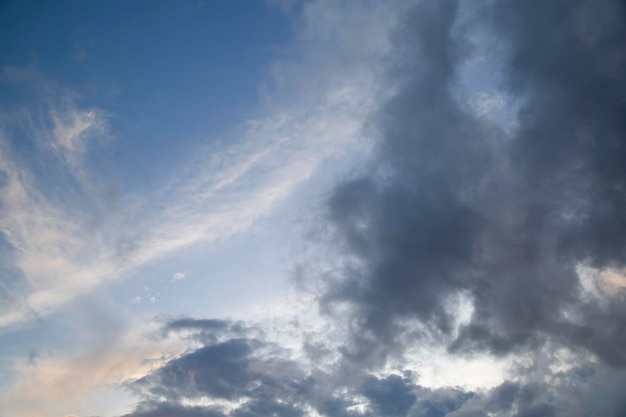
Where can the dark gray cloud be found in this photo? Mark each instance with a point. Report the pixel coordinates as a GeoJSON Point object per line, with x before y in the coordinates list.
{"type": "Point", "coordinates": [231, 365]}
{"type": "Point", "coordinates": [391, 396]}
{"type": "Point", "coordinates": [249, 376]}
{"type": "Point", "coordinates": [196, 324]}
{"type": "Point", "coordinates": [167, 409]}
{"type": "Point", "coordinates": [224, 372]}
{"type": "Point", "coordinates": [239, 371]}
{"type": "Point", "coordinates": [455, 204]}
{"type": "Point", "coordinates": [207, 331]}
{"type": "Point", "coordinates": [396, 395]}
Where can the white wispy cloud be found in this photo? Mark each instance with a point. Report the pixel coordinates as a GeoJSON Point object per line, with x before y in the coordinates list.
{"type": "Point", "coordinates": [63, 249]}
{"type": "Point", "coordinates": [72, 129]}
{"type": "Point", "coordinates": [51, 249]}
{"type": "Point", "coordinates": [178, 276]}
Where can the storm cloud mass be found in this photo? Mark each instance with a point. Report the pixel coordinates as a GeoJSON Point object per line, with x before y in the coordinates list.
{"type": "Point", "coordinates": [525, 221]}
{"type": "Point", "coordinates": [457, 204]}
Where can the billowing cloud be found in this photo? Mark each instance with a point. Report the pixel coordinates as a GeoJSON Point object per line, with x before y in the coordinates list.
{"type": "Point", "coordinates": [237, 371]}
{"type": "Point", "coordinates": [456, 204]}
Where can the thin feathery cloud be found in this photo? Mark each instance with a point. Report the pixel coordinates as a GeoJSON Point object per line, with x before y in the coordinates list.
{"type": "Point", "coordinates": [64, 248]}
{"type": "Point", "coordinates": [72, 129]}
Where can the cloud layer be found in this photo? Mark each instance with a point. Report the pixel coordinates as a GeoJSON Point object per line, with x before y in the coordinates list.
{"type": "Point", "coordinates": [487, 224]}
{"type": "Point", "coordinates": [236, 371]}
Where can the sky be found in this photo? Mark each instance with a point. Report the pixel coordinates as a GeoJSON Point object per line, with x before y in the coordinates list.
{"type": "Point", "coordinates": [358, 208]}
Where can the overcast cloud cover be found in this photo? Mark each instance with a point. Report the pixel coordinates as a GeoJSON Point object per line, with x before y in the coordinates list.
{"type": "Point", "coordinates": [407, 208]}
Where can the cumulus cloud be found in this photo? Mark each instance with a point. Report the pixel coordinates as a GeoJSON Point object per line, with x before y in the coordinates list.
{"type": "Point", "coordinates": [238, 371]}
{"type": "Point", "coordinates": [457, 204]}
